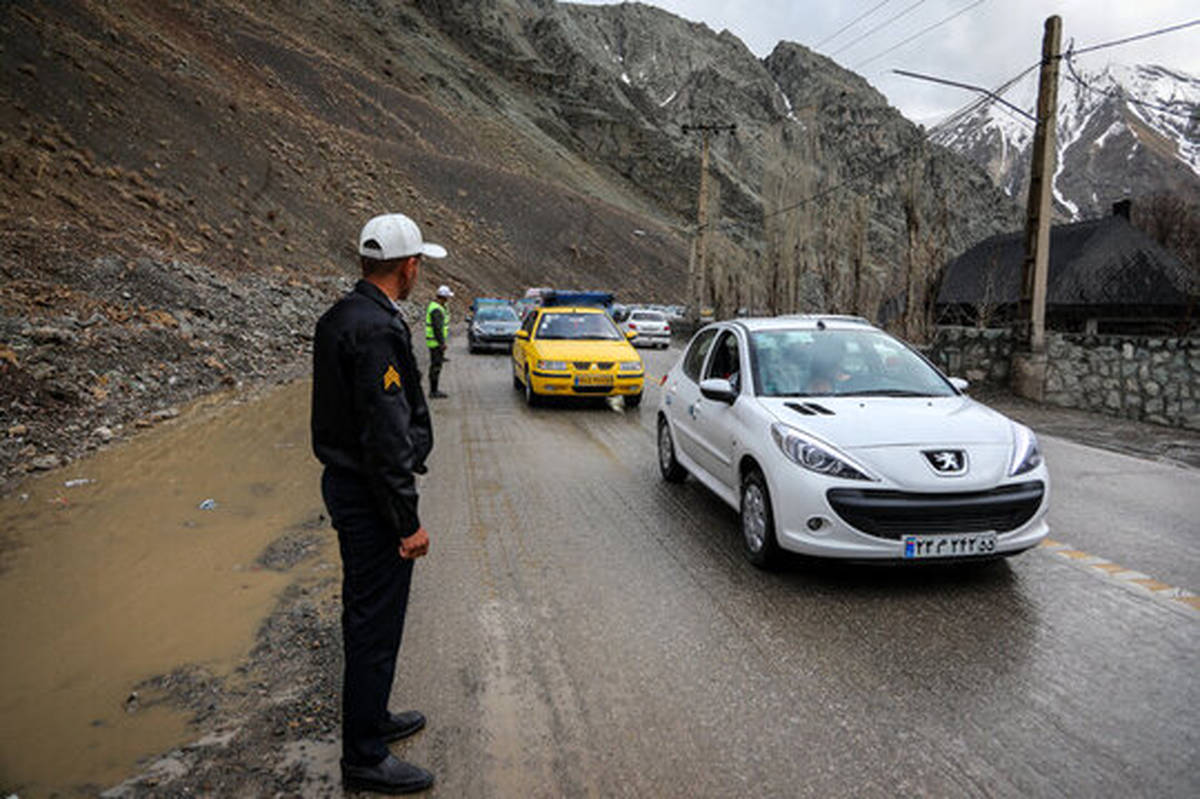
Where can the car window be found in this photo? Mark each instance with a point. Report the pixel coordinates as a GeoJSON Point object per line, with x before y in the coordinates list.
{"type": "Point", "coordinates": [725, 362]}
{"type": "Point", "coordinates": [791, 363]}
{"type": "Point", "coordinates": [648, 317]}
{"type": "Point", "coordinates": [496, 313]}
{"type": "Point", "coordinates": [693, 360]}
{"type": "Point", "coordinates": [530, 318]}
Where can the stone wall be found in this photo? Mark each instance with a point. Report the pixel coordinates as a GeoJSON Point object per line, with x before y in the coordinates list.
{"type": "Point", "coordinates": [981, 355]}
{"type": "Point", "coordinates": [1149, 379]}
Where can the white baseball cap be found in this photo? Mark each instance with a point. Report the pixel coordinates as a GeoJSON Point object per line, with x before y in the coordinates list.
{"type": "Point", "coordinates": [391, 236]}
{"type": "Point", "coordinates": [444, 291]}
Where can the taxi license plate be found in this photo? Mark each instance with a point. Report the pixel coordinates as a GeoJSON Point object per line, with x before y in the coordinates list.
{"type": "Point", "coordinates": [949, 546]}
{"type": "Point", "coordinates": [593, 380]}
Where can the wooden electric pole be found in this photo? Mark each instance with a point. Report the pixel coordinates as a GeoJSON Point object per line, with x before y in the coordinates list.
{"type": "Point", "coordinates": [697, 264]}
{"type": "Point", "coordinates": [1029, 370]}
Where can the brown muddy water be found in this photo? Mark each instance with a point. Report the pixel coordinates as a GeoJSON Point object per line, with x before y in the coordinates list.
{"type": "Point", "coordinates": [107, 584]}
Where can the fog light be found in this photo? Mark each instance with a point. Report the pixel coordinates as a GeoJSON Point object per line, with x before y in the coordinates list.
{"type": "Point", "coordinates": [815, 523]}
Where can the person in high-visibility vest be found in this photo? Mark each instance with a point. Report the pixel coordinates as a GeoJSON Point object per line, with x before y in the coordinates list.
{"type": "Point", "coordinates": [437, 334]}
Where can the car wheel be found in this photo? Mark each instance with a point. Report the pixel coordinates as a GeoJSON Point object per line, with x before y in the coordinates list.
{"type": "Point", "coordinates": [668, 467]}
{"type": "Point", "coordinates": [531, 396]}
{"type": "Point", "coordinates": [758, 522]}
{"type": "Point", "coordinates": [633, 400]}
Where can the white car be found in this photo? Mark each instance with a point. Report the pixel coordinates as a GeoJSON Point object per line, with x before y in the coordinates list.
{"type": "Point", "coordinates": [649, 327]}
{"type": "Point", "coordinates": [834, 439]}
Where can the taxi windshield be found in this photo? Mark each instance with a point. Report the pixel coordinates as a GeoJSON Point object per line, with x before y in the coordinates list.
{"type": "Point", "coordinates": [572, 326]}
{"type": "Point", "coordinates": [844, 363]}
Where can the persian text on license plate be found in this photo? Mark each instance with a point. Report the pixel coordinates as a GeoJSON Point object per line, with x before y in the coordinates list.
{"type": "Point", "coordinates": [593, 380]}
{"type": "Point", "coordinates": [949, 546]}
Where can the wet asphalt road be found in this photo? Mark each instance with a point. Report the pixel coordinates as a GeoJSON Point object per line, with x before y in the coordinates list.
{"type": "Point", "coordinates": [583, 629]}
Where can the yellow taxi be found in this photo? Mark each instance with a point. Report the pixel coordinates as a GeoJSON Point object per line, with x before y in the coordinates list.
{"type": "Point", "coordinates": [580, 352]}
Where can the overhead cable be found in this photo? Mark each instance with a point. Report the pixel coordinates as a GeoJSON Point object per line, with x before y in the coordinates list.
{"type": "Point", "coordinates": [920, 142]}
{"type": "Point", "coordinates": [878, 27]}
{"type": "Point", "coordinates": [994, 97]}
{"type": "Point", "coordinates": [1075, 77]}
{"type": "Point", "coordinates": [918, 35]}
{"type": "Point", "coordinates": [850, 24]}
{"type": "Point", "coordinates": [1128, 39]}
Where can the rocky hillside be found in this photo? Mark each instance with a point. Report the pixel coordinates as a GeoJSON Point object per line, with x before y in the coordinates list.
{"type": "Point", "coordinates": [1122, 132]}
{"type": "Point", "coordinates": [181, 183]}
{"type": "Point", "coordinates": [615, 84]}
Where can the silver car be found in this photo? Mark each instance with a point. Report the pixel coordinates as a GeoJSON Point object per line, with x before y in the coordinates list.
{"type": "Point", "coordinates": [651, 328]}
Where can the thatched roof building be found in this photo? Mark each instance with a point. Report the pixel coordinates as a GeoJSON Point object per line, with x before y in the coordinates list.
{"type": "Point", "coordinates": [1104, 273]}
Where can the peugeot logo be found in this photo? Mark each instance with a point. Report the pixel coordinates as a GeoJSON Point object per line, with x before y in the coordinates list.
{"type": "Point", "coordinates": [946, 462]}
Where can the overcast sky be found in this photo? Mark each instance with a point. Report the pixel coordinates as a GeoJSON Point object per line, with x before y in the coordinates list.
{"type": "Point", "coordinates": [985, 45]}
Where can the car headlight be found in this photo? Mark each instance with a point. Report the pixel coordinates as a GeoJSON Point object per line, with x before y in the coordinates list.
{"type": "Point", "coordinates": [1027, 455]}
{"type": "Point", "coordinates": [631, 366]}
{"type": "Point", "coordinates": [553, 366]}
{"type": "Point", "coordinates": [815, 457]}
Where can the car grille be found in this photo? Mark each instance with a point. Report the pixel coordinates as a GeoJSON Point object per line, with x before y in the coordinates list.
{"type": "Point", "coordinates": [894, 514]}
{"type": "Point", "coordinates": [583, 366]}
{"type": "Point", "coordinates": [605, 389]}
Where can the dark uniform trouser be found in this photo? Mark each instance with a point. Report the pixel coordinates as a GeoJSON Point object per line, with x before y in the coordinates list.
{"type": "Point", "coordinates": [375, 582]}
{"type": "Point", "coordinates": [437, 355]}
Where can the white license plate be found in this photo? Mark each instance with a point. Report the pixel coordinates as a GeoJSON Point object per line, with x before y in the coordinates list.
{"type": "Point", "coordinates": [964, 545]}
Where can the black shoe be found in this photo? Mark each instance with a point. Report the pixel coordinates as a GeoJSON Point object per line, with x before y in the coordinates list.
{"type": "Point", "coordinates": [390, 775]}
{"type": "Point", "coordinates": [402, 725]}
{"type": "Point", "coordinates": [435, 394]}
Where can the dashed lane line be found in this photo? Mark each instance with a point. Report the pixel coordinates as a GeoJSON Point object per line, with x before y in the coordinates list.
{"type": "Point", "coordinates": [1144, 584]}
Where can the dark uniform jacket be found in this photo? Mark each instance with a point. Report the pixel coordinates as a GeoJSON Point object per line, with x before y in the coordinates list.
{"type": "Point", "coordinates": [368, 411]}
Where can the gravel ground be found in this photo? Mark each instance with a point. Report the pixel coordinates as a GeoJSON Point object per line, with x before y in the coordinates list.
{"type": "Point", "coordinates": [73, 382]}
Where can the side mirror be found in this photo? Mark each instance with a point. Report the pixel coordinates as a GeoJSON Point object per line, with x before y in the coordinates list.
{"type": "Point", "coordinates": [630, 334]}
{"type": "Point", "coordinates": [523, 334]}
{"type": "Point", "coordinates": [959, 383]}
{"type": "Point", "coordinates": [718, 390]}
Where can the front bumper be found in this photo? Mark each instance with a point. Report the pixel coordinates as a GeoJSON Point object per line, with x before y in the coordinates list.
{"type": "Point", "coordinates": [563, 384]}
{"type": "Point", "coordinates": [870, 522]}
{"type": "Point", "coordinates": [494, 342]}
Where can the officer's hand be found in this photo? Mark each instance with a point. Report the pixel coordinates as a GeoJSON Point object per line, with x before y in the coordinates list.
{"type": "Point", "coordinates": [415, 545]}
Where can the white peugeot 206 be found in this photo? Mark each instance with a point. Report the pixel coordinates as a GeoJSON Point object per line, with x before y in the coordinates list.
{"type": "Point", "coordinates": [834, 439]}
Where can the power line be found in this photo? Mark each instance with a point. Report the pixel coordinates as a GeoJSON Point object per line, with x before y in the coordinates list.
{"type": "Point", "coordinates": [919, 143]}
{"type": "Point", "coordinates": [919, 34]}
{"type": "Point", "coordinates": [994, 97]}
{"type": "Point", "coordinates": [976, 104]}
{"type": "Point", "coordinates": [990, 97]}
{"type": "Point", "coordinates": [1138, 37]}
{"type": "Point", "coordinates": [886, 161]}
{"type": "Point", "coordinates": [1074, 76]}
{"type": "Point", "coordinates": [850, 24]}
{"type": "Point", "coordinates": [878, 27]}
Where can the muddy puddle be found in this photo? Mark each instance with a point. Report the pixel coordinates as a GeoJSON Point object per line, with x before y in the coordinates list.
{"type": "Point", "coordinates": [108, 583]}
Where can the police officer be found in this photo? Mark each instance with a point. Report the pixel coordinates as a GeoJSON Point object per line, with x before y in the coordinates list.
{"type": "Point", "coordinates": [371, 429]}
{"type": "Point", "coordinates": [437, 333]}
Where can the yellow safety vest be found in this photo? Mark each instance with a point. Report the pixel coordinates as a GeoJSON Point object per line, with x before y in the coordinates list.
{"type": "Point", "coordinates": [430, 338]}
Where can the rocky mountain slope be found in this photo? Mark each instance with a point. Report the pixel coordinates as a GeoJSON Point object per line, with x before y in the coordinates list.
{"type": "Point", "coordinates": [181, 183]}
{"type": "Point", "coordinates": [616, 84]}
{"type": "Point", "coordinates": [1125, 131]}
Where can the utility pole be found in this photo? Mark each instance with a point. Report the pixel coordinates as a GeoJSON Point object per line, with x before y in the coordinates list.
{"type": "Point", "coordinates": [697, 264]}
{"type": "Point", "coordinates": [1029, 362]}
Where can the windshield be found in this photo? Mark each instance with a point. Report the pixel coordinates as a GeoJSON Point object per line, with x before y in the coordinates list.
{"type": "Point", "coordinates": [642, 316]}
{"type": "Point", "coordinates": [577, 326]}
{"type": "Point", "coordinates": [496, 313]}
{"type": "Point", "coordinates": [841, 363]}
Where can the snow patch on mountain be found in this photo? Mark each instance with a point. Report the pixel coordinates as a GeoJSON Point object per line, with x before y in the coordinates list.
{"type": "Point", "coordinates": [1149, 113]}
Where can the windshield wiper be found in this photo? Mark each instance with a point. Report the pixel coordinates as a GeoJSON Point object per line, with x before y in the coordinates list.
{"type": "Point", "coordinates": [888, 392]}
